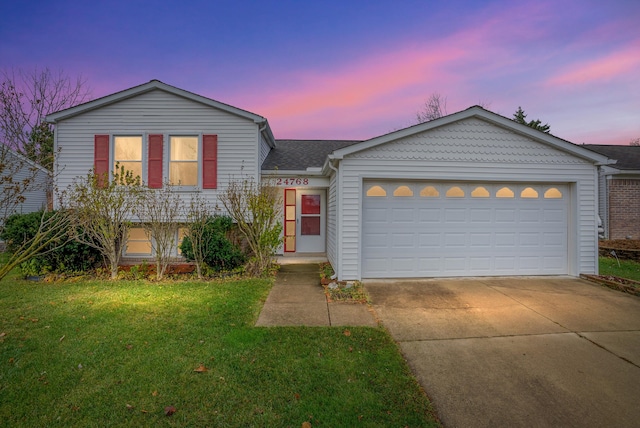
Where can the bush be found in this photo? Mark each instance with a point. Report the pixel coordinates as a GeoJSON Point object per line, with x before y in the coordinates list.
{"type": "Point", "coordinates": [70, 257]}
{"type": "Point", "coordinates": [219, 253]}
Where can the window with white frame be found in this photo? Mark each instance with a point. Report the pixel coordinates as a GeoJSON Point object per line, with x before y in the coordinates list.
{"type": "Point", "coordinates": [183, 160]}
{"type": "Point", "coordinates": [139, 242]}
{"type": "Point", "coordinates": [127, 153]}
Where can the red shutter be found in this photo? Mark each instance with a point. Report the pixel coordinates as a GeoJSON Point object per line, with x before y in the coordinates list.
{"type": "Point", "coordinates": [101, 158]}
{"type": "Point", "coordinates": [209, 161]}
{"type": "Point", "coordinates": [155, 161]}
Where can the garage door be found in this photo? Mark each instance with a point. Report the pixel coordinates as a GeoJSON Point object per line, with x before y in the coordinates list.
{"type": "Point", "coordinates": [426, 229]}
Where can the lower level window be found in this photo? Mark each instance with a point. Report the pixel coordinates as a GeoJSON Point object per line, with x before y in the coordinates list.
{"type": "Point", "coordinates": [139, 242]}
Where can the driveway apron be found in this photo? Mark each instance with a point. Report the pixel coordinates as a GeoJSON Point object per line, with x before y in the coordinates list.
{"type": "Point", "coordinates": [552, 351]}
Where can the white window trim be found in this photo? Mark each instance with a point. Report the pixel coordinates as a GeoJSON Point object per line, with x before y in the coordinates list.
{"type": "Point", "coordinates": [145, 152]}
{"type": "Point", "coordinates": [167, 159]}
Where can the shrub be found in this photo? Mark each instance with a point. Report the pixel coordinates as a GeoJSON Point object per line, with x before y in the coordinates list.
{"type": "Point", "coordinates": [218, 252]}
{"type": "Point", "coordinates": [70, 257]}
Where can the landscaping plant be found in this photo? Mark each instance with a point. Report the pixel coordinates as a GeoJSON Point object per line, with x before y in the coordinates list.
{"type": "Point", "coordinates": [102, 210]}
{"type": "Point", "coordinates": [216, 251]}
{"type": "Point", "coordinates": [60, 256]}
{"type": "Point", "coordinates": [255, 208]}
{"type": "Point", "coordinates": [47, 233]}
{"type": "Point", "coordinates": [160, 211]}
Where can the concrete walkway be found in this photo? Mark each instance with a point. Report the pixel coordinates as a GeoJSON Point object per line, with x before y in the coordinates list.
{"type": "Point", "coordinates": [298, 299]}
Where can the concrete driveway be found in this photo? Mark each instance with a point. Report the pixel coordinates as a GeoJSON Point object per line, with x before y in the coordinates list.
{"type": "Point", "coordinates": [552, 351]}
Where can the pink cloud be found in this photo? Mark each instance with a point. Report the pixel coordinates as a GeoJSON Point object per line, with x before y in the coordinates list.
{"type": "Point", "coordinates": [601, 69]}
{"type": "Point", "coordinates": [359, 83]}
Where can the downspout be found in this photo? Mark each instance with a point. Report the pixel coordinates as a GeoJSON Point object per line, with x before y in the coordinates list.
{"type": "Point", "coordinates": [338, 220]}
{"type": "Point", "coordinates": [264, 124]}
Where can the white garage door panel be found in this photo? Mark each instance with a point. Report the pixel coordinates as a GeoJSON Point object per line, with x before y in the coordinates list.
{"type": "Point", "coordinates": [417, 236]}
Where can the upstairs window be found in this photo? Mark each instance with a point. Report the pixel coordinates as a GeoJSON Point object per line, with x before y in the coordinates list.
{"type": "Point", "coordinates": [127, 152]}
{"type": "Point", "coordinates": [183, 161]}
{"type": "Point", "coordinates": [189, 160]}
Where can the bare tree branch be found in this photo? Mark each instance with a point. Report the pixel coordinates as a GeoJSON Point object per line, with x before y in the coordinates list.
{"type": "Point", "coordinates": [434, 107]}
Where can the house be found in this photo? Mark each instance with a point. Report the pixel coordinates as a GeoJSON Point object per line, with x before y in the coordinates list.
{"type": "Point", "coordinates": [472, 193]}
{"type": "Point", "coordinates": [25, 186]}
{"type": "Point", "coordinates": [619, 191]}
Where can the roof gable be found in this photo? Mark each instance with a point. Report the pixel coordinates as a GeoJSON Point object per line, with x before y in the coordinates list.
{"type": "Point", "coordinates": [481, 115]}
{"type": "Point", "coordinates": [158, 85]}
{"type": "Point", "coordinates": [147, 87]}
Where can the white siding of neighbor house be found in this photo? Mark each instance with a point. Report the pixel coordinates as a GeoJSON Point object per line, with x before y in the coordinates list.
{"type": "Point", "coordinates": [36, 195]}
{"type": "Point", "coordinates": [471, 150]}
{"type": "Point", "coordinates": [159, 112]}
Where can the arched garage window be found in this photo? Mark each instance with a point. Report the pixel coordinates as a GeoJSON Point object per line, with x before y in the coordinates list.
{"type": "Point", "coordinates": [553, 193]}
{"type": "Point", "coordinates": [529, 193]}
{"type": "Point", "coordinates": [480, 192]}
{"type": "Point", "coordinates": [429, 192]}
{"type": "Point", "coordinates": [455, 192]}
{"type": "Point", "coordinates": [376, 191]}
{"type": "Point", "coordinates": [505, 192]}
{"type": "Point", "coordinates": [403, 191]}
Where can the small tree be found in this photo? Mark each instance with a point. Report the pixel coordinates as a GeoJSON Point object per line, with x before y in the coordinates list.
{"type": "Point", "coordinates": [26, 98]}
{"type": "Point", "coordinates": [520, 117]}
{"type": "Point", "coordinates": [198, 214]}
{"type": "Point", "coordinates": [50, 234]}
{"type": "Point", "coordinates": [160, 211]}
{"type": "Point", "coordinates": [103, 209]}
{"type": "Point", "coordinates": [215, 248]}
{"type": "Point", "coordinates": [256, 210]}
{"type": "Point", "coordinates": [635, 142]}
{"type": "Point", "coordinates": [435, 107]}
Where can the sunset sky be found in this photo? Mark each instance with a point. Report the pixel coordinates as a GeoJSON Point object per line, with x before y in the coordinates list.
{"type": "Point", "coordinates": [340, 69]}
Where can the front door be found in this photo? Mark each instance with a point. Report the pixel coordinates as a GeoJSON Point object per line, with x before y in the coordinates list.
{"type": "Point", "coordinates": [310, 221]}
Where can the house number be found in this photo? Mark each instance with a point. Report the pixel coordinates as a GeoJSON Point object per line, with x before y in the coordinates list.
{"type": "Point", "coordinates": [292, 181]}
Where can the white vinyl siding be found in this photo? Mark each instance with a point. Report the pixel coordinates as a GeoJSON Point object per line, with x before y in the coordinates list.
{"type": "Point", "coordinates": [35, 198]}
{"type": "Point", "coordinates": [264, 149]}
{"type": "Point", "coordinates": [332, 221]}
{"type": "Point", "coordinates": [159, 112]}
{"type": "Point", "coordinates": [471, 150]}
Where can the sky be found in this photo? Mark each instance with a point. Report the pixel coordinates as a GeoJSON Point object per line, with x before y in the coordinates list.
{"type": "Point", "coordinates": [351, 69]}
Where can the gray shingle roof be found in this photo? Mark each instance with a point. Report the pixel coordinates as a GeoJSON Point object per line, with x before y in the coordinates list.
{"type": "Point", "coordinates": [628, 157]}
{"type": "Point", "coordinates": [298, 155]}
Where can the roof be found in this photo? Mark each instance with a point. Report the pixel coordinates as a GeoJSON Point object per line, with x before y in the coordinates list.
{"type": "Point", "coordinates": [298, 155]}
{"type": "Point", "coordinates": [6, 150]}
{"type": "Point", "coordinates": [488, 116]}
{"type": "Point", "coordinates": [628, 157]}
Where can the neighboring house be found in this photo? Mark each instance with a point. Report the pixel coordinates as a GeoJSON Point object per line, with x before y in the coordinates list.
{"type": "Point", "coordinates": [472, 193]}
{"type": "Point", "coordinates": [619, 191]}
{"type": "Point", "coordinates": [25, 186]}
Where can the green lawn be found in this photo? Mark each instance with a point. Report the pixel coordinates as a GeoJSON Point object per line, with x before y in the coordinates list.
{"type": "Point", "coordinates": [97, 353]}
{"type": "Point", "coordinates": [627, 268]}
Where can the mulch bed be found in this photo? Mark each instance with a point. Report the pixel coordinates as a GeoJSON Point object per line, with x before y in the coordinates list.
{"type": "Point", "coordinates": [622, 284]}
{"type": "Point", "coordinates": [150, 269]}
{"type": "Point", "coordinates": [623, 249]}
{"type": "Point", "coordinates": [621, 244]}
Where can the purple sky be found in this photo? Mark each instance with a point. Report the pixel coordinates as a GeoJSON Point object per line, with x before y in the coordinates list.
{"type": "Point", "coordinates": [352, 69]}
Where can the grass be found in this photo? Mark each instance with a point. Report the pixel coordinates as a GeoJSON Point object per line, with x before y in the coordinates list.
{"type": "Point", "coordinates": [98, 353]}
{"type": "Point", "coordinates": [627, 268]}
